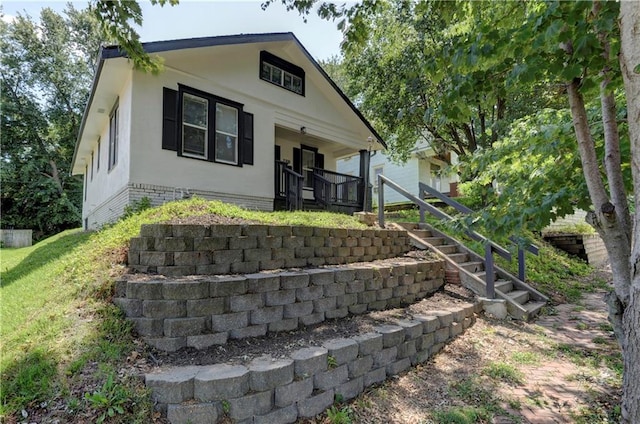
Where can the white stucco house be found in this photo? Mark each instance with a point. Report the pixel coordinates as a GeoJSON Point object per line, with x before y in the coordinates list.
{"type": "Point", "coordinates": [250, 119]}
{"type": "Point", "coordinates": [423, 166]}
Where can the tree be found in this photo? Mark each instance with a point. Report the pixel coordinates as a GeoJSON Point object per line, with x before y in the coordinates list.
{"type": "Point", "coordinates": [46, 76]}
{"type": "Point", "coordinates": [114, 17]}
{"type": "Point", "coordinates": [409, 79]}
{"type": "Point", "coordinates": [574, 44]}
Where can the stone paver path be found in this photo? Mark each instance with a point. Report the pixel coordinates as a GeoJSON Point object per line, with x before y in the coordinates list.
{"type": "Point", "coordinates": [554, 388]}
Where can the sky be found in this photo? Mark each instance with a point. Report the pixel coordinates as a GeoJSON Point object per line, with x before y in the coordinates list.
{"type": "Point", "coordinates": [192, 19]}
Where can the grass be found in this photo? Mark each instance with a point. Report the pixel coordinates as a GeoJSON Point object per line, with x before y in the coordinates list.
{"type": "Point", "coordinates": [504, 372]}
{"type": "Point", "coordinates": [57, 318]}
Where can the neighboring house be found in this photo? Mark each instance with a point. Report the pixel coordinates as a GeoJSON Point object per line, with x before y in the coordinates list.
{"type": "Point", "coordinates": [248, 119]}
{"type": "Point", "coordinates": [423, 166]}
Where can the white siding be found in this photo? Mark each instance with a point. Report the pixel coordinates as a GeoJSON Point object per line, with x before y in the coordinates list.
{"type": "Point", "coordinates": [407, 175]}
{"type": "Point", "coordinates": [230, 72]}
{"type": "Point", "coordinates": [108, 183]}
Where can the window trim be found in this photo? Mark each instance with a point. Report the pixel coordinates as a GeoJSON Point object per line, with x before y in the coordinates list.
{"type": "Point", "coordinates": [92, 165]}
{"type": "Point", "coordinates": [98, 155]}
{"type": "Point", "coordinates": [114, 134]}
{"type": "Point", "coordinates": [212, 128]}
{"type": "Point", "coordinates": [315, 152]}
{"type": "Point", "coordinates": [205, 128]}
{"type": "Point", "coordinates": [286, 68]}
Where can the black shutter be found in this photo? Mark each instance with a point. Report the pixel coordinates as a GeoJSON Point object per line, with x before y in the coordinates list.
{"type": "Point", "coordinates": [297, 160]}
{"type": "Point", "coordinates": [247, 139]}
{"type": "Point", "coordinates": [169, 119]}
{"type": "Point", "coordinates": [319, 161]}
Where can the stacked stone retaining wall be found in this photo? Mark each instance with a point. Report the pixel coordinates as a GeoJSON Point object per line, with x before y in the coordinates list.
{"type": "Point", "coordinates": [199, 312]}
{"type": "Point", "coordinates": [178, 250]}
{"type": "Point", "coordinates": [305, 383]}
{"type": "Point", "coordinates": [589, 247]}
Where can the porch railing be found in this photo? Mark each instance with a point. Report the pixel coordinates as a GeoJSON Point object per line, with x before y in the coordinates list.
{"type": "Point", "coordinates": [490, 246]}
{"type": "Point", "coordinates": [334, 188]}
{"type": "Point", "coordinates": [288, 185]}
{"type": "Point", "coordinates": [424, 188]}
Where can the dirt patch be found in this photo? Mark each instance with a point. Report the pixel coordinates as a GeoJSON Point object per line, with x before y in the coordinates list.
{"type": "Point", "coordinates": [562, 368]}
{"type": "Point", "coordinates": [281, 345]}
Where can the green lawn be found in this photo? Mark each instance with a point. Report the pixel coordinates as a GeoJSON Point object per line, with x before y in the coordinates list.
{"type": "Point", "coordinates": [56, 313]}
{"type": "Point", "coordinates": [57, 317]}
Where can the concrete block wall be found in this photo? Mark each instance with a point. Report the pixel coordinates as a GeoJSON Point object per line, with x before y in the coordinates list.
{"type": "Point", "coordinates": [178, 250]}
{"type": "Point", "coordinates": [306, 382]}
{"type": "Point", "coordinates": [16, 238]}
{"type": "Point", "coordinates": [199, 312]}
{"type": "Point", "coordinates": [595, 249]}
{"type": "Point", "coordinates": [589, 247]}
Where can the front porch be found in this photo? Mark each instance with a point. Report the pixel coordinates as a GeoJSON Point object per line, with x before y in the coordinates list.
{"type": "Point", "coordinates": [320, 189]}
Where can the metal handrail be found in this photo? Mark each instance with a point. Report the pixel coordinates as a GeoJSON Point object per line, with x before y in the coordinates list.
{"type": "Point", "coordinates": [490, 246]}
{"type": "Point", "coordinates": [465, 210]}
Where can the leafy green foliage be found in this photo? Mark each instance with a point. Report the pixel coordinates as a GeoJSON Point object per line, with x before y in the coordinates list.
{"type": "Point", "coordinates": [533, 175]}
{"type": "Point", "coordinates": [135, 207]}
{"type": "Point", "coordinates": [339, 415]}
{"type": "Point", "coordinates": [412, 82]}
{"type": "Point", "coordinates": [109, 400]}
{"type": "Point", "coordinates": [504, 372]}
{"type": "Point", "coordinates": [462, 415]}
{"type": "Point", "coordinates": [45, 73]}
{"type": "Point", "coordinates": [116, 19]}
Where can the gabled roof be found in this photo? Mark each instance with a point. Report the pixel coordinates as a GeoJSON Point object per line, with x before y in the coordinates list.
{"type": "Point", "coordinates": [112, 52]}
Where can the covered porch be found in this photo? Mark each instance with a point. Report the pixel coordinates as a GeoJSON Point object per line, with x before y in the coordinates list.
{"type": "Point", "coordinates": [305, 176]}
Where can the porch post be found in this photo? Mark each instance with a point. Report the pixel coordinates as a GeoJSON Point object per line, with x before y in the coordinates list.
{"type": "Point", "coordinates": [365, 157]}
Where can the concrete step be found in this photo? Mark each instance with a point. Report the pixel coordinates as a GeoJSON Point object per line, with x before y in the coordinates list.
{"type": "Point", "coordinates": [459, 257]}
{"type": "Point", "coordinates": [434, 241]}
{"type": "Point", "coordinates": [421, 233]}
{"type": "Point", "coordinates": [447, 248]}
{"type": "Point", "coordinates": [408, 225]}
{"type": "Point", "coordinates": [519, 296]}
{"type": "Point", "coordinates": [472, 267]}
{"type": "Point", "coordinates": [483, 275]}
{"type": "Point", "coordinates": [504, 286]}
{"type": "Point", "coordinates": [533, 308]}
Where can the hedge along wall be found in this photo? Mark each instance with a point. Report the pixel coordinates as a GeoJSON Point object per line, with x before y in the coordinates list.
{"type": "Point", "coordinates": [306, 382]}
{"type": "Point", "coordinates": [178, 250]}
{"type": "Point", "coordinates": [171, 313]}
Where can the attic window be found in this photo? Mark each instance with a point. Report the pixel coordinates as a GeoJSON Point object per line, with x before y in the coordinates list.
{"type": "Point", "coordinates": [282, 73]}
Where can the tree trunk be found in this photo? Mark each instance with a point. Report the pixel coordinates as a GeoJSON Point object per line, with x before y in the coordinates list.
{"type": "Point", "coordinates": [605, 218]}
{"type": "Point", "coordinates": [630, 67]}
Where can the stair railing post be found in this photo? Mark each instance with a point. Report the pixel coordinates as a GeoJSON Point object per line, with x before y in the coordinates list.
{"type": "Point", "coordinates": [489, 271]}
{"type": "Point", "coordinates": [380, 202]}
{"type": "Point", "coordinates": [422, 215]}
{"type": "Point", "coordinates": [521, 264]}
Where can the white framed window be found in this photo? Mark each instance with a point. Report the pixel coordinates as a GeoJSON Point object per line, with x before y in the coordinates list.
{"type": "Point", "coordinates": [195, 125]}
{"type": "Point", "coordinates": [113, 137]}
{"type": "Point", "coordinates": [282, 73]}
{"type": "Point", "coordinates": [226, 134]}
{"type": "Point", "coordinates": [213, 129]}
{"type": "Point", "coordinates": [308, 162]}
{"type": "Point", "coordinates": [98, 155]}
